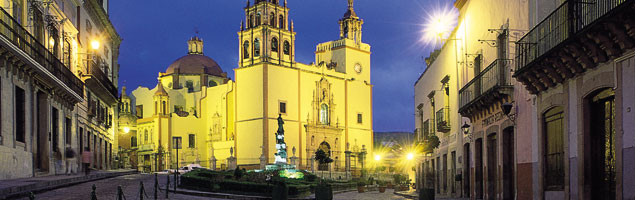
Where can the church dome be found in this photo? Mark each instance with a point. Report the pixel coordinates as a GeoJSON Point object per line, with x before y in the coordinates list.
{"type": "Point", "coordinates": [195, 62]}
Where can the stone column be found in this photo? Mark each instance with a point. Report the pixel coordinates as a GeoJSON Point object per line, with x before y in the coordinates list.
{"type": "Point", "coordinates": [348, 161]}
{"type": "Point", "coordinates": [231, 163]}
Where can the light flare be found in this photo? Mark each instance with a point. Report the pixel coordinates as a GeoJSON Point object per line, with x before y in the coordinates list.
{"type": "Point", "coordinates": [439, 23]}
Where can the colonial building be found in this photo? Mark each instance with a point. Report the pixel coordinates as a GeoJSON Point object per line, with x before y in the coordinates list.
{"type": "Point", "coordinates": [58, 75]}
{"type": "Point", "coordinates": [459, 99]}
{"type": "Point", "coordinates": [578, 63]}
{"type": "Point", "coordinates": [223, 123]}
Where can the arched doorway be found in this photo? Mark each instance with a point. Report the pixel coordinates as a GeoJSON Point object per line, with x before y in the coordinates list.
{"type": "Point", "coordinates": [326, 147]}
{"type": "Point", "coordinates": [600, 162]}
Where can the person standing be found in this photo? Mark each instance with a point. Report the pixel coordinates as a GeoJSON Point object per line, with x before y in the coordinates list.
{"type": "Point", "coordinates": [86, 161]}
{"type": "Point", "coordinates": [70, 157]}
{"type": "Point", "coordinates": [57, 155]}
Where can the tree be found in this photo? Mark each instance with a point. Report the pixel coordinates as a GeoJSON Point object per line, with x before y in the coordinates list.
{"type": "Point", "coordinates": [322, 158]}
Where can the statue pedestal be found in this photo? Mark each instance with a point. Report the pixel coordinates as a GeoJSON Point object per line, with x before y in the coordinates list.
{"type": "Point", "coordinates": [263, 162]}
{"type": "Point", "coordinates": [294, 160]}
{"type": "Point", "coordinates": [231, 163]}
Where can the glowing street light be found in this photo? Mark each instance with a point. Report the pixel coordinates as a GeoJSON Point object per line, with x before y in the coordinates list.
{"type": "Point", "coordinates": [94, 44]}
{"type": "Point", "coordinates": [439, 24]}
{"type": "Point", "coordinates": [126, 130]}
{"type": "Point", "coordinates": [410, 156]}
{"type": "Point", "coordinates": [377, 157]}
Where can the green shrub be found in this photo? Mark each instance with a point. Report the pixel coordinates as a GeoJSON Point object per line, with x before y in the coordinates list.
{"type": "Point", "coordinates": [310, 177]}
{"type": "Point", "coordinates": [323, 191]}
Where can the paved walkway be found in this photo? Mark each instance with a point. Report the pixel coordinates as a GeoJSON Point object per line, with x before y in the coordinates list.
{"type": "Point", "coordinates": [412, 194]}
{"type": "Point", "coordinates": [372, 195]}
{"type": "Point", "coordinates": [20, 187]}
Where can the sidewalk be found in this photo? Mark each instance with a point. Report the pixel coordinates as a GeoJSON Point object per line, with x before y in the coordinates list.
{"type": "Point", "coordinates": [23, 186]}
{"type": "Point", "coordinates": [412, 194]}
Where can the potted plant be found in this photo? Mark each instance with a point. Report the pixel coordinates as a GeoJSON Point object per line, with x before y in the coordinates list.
{"type": "Point", "coordinates": [389, 185]}
{"type": "Point", "coordinates": [382, 186]}
{"type": "Point", "coordinates": [361, 185]}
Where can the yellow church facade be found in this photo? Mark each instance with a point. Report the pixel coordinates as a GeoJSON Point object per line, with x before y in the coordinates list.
{"type": "Point", "coordinates": [224, 123]}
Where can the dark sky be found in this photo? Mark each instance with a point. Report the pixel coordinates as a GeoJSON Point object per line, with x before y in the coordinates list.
{"type": "Point", "coordinates": [155, 32]}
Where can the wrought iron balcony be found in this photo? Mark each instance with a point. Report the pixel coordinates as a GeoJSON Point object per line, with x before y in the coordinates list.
{"type": "Point", "coordinates": [12, 31]}
{"type": "Point", "coordinates": [443, 119]}
{"type": "Point", "coordinates": [576, 36]}
{"type": "Point", "coordinates": [491, 85]}
{"type": "Point", "coordinates": [99, 83]}
{"type": "Point", "coordinates": [145, 147]}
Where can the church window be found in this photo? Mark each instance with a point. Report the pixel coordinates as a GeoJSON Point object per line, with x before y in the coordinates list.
{"type": "Point", "coordinates": [256, 47]}
{"type": "Point", "coordinates": [359, 118]}
{"type": "Point", "coordinates": [245, 50]}
{"type": "Point", "coordinates": [190, 86]}
{"type": "Point", "coordinates": [163, 106]}
{"type": "Point", "coordinates": [324, 114]}
{"type": "Point", "coordinates": [258, 18]}
{"type": "Point", "coordinates": [281, 22]}
{"type": "Point", "coordinates": [192, 141]}
{"type": "Point", "coordinates": [287, 48]}
{"type": "Point", "coordinates": [211, 84]}
{"type": "Point", "coordinates": [251, 21]}
{"type": "Point", "coordinates": [272, 19]}
{"type": "Point", "coordinates": [283, 107]}
{"type": "Point", "coordinates": [274, 45]}
{"type": "Point", "coordinates": [145, 137]}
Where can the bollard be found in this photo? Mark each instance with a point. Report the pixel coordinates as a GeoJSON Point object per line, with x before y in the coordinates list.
{"type": "Point", "coordinates": [119, 193]}
{"type": "Point", "coordinates": [93, 195]}
{"type": "Point", "coordinates": [31, 196]}
{"type": "Point", "coordinates": [141, 190]}
{"type": "Point", "coordinates": [156, 185]}
{"type": "Point", "coordinates": [167, 187]}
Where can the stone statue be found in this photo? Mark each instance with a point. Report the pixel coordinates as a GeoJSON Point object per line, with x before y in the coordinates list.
{"type": "Point", "coordinates": [293, 150]}
{"type": "Point", "coordinates": [231, 151]}
{"type": "Point", "coordinates": [281, 146]}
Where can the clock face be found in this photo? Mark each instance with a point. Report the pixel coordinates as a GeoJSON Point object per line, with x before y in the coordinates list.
{"type": "Point", "coordinates": [358, 68]}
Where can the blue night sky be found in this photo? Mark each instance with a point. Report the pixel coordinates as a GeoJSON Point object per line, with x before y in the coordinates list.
{"type": "Point", "coordinates": [155, 32]}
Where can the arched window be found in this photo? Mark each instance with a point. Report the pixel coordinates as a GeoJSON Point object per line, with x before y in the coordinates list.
{"type": "Point", "coordinates": [256, 47]}
{"type": "Point", "coordinates": [211, 84]}
{"type": "Point", "coordinates": [163, 107]}
{"type": "Point", "coordinates": [246, 50]}
{"type": "Point", "coordinates": [281, 22]}
{"type": "Point", "coordinates": [274, 45]}
{"type": "Point", "coordinates": [250, 22]}
{"type": "Point", "coordinates": [133, 141]}
{"type": "Point", "coordinates": [324, 114]}
{"type": "Point", "coordinates": [272, 19]}
{"type": "Point", "coordinates": [553, 123]}
{"type": "Point", "coordinates": [287, 48]}
{"type": "Point", "coordinates": [258, 17]}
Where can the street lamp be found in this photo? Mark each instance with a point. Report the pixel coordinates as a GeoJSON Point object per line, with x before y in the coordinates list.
{"type": "Point", "coordinates": [377, 157]}
{"type": "Point", "coordinates": [465, 128]}
{"type": "Point", "coordinates": [94, 44]}
{"type": "Point", "coordinates": [410, 156]}
{"type": "Point", "coordinates": [126, 129]}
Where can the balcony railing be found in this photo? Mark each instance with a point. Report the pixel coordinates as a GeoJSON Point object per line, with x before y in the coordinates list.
{"type": "Point", "coordinates": [492, 78]}
{"type": "Point", "coordinates": [20, 37]}
{"type": "Point", "coordinates": [146, 147]}
{"type": "Point", "coordinates": [568, 19]}
{"type": "Point", "coordinates": [95, 71]}
{"type": "Point", "coordinates": [443, 119]}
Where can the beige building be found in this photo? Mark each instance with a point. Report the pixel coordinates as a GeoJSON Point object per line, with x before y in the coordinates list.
{"type": "Point", "coordinates": [224, 123]}
{"type": "Point", "coordinates": [58, 76]}
{"type": "Point", "coordinates": [580, 73]}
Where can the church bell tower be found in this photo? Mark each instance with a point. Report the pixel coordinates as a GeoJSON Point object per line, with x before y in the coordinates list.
{"type": "Point", "coordinates": [351, 25]}
{"type": "Point", "coordinates": [266, 36]}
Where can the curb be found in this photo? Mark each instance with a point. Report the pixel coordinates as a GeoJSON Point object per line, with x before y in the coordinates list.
{"type": "Point", "coordinates": [406, 195]}
{"type": "Point", "coordinates": [24, 190]}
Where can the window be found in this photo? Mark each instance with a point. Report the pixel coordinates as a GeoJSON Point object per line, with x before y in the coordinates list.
{"type": "Point", "coordinates": [164, 107]}
{"type": "Point", "coordinates": [67, 53]}
{"type": "Point", "coordinates": [274, 45]}
{"type": "Point", "coordinates": [38, 24]}
{"type": "Point", "coordinates": [251, 21]}
{"type": "Point", "coordinates": [324, 114]}
{"type": "Point", "coordinates": [139, 111]}
{"type": "Point", "coordinates": [55, 129]}
{"type": "Point", "coordinates": [69, 133]}
{"type": "Point", "coordinates": [283, 107]}
{"type": "Point", "coordinates": [145, 137]}
{"type": "Point", "coordinates": [256, 47]}
{"type": "Point", "coordinates": [89, 27]}
{"type": "Point", "coordinates": [192, 141]}
{"type": "Point", "coordinates": [287, 48]}
{"type": "Point", "coordinates": [190, 86]}
{"type": "Point", "coordinates": [245, 50]}
{"type": "Point", "coordinates": [359, 118]}
{"type": "Point", "coordinates": [281, 22]}
{"type": "Point", "coordinates": [272, 19]}
{"type": "Point", "coordinates": [133, 141]}
{"type": "Point", "coordinates": [258, 18]}
{"type": "Point", "coordinates": [17, 10]}
{"type": "Point", "coordinates": [554, 149]}
{"type": "Point", "coordinates": [20, 115]}
{"type": "Point", "coordinates": [212, 84]}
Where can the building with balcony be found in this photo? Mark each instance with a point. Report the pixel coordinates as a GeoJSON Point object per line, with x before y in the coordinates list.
{"type": "Point", "coordinates": [47, 84]}
{"type": "Point", "coordinates": [578, 63]}
{"type": "Point", "coordinates": [458, 98]}
{"type": "Point", "coordinates": [325, 105]}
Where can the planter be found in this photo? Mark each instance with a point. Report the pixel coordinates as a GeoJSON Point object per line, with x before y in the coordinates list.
{"type": "Point", "coordinates": [390, 186]}
{"type": "Point", "coordinates": [360, 189]}
{"type": "Point", "coordinates": [382, 189]}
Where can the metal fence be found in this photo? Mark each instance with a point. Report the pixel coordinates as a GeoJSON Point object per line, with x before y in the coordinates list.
{"type": "Point", "coordinates": [495, 75]}
{"type": "Point", "coordinates": [566, 20]}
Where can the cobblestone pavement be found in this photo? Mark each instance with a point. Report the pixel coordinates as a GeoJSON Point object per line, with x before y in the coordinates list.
{"type": "Point", "coordinates": [107, 189]}
{"type": "Point", "coordinates": [373, 195]}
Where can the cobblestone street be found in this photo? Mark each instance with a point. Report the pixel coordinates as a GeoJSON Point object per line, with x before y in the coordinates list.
{"type": "Point", "coordinates": [107, 189]}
